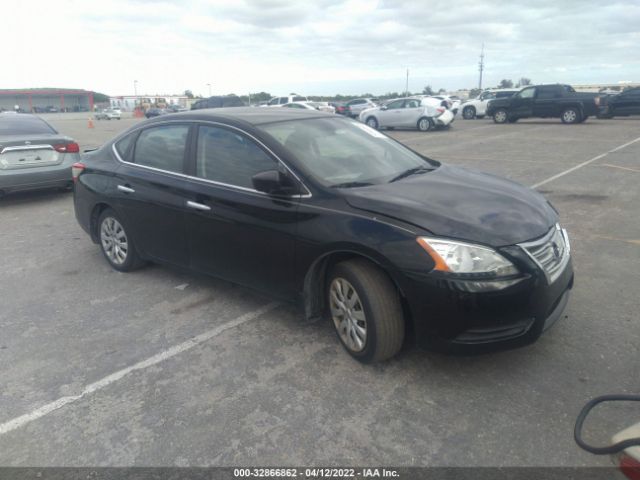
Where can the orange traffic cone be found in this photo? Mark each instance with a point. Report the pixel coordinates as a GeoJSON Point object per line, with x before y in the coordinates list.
{"type": "Point", "coordinates": [90, 125]}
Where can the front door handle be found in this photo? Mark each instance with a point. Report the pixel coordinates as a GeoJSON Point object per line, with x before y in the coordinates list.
{"type": "Point", "coordinates": [198, 206]}
{"type": "Point", "coordinates": [124, 189]}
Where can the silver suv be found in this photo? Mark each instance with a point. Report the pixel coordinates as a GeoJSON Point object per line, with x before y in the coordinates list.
{"type": "Point", "coordinates": [357, 105]}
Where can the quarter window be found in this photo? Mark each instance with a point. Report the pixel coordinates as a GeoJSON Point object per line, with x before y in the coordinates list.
{"type": "Point", "coordinates": [162, 147]}
{"type": "Point", "coordinates": [228, 157]}
{"type": "Point", "coordinates": [124, 146]}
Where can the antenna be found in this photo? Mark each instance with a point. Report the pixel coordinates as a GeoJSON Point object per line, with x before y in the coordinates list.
{"type": "Point", "coordinates": [481, 66]}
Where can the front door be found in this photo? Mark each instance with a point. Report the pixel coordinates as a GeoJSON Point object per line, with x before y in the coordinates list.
{"type": "Point", "coordinates": [522, 103]}
{"type": "Point", "coordinates": [236, 232]}
{"type": "Point", "coordinates": [392, 116]}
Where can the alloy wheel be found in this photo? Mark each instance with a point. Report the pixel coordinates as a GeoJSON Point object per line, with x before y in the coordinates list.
{"type": "Point", "coordinates": [501, 116]}
{"type": "Point", "coordinates": [569, 116]}
{"type": "Point", "coordinates": [348, 315]}
{"type": "Point", "coordinates": [114, 240]}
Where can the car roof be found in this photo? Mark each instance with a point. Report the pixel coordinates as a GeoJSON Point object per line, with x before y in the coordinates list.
{"type": "Point", "coordinates": [249, 115]}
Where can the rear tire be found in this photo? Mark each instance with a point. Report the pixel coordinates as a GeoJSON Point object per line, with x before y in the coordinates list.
{"type": "Point", "coordinates": [500, 116]}
{"type": "Point", "coordinates": [372, 122]}
{"type": "Point", "coordinates": [469, 113]}
{"type": "Point", "coordinates": [425, 124]}
{"type": "Point", "coordinates": [365, 308]}
{"type": "Point", "coordinates": [571, 115]}
{"type": "Point", "coordinates": [116, 243]}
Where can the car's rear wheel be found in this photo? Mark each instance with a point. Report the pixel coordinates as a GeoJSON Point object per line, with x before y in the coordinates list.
{"type": "Point", "coordinates": [469, 113]}
{"type": "Point", "coordinates": [116, 243]}
{"type": "Point", "coordinates": [500, 115]}
{"type": "Point", "coordinates": [365, 309]}
{"type": "Point", "coordinates": [571, 115]}
{"type": "Point", "coordinates": [372, 122]}
{"type": "Point", "coordinates": [425, 124]}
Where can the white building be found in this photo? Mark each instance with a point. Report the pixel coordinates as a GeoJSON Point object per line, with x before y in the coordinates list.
{"type": "Point", "coordinates": [129, 102]}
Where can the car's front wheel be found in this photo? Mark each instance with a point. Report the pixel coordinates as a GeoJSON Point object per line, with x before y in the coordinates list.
{"type": "Point", "coordinates": [372, 122]}
{"type": "Point", "coordinates": [116, 243]}
{"type": "Point", "coordinates": [469, 113]}
{"type": "Point", "coordinates": [365, 309]}
{"type": "Point", "coordinates": [500, 115]}
{"type": "Point", "coordinates": [425, 124]}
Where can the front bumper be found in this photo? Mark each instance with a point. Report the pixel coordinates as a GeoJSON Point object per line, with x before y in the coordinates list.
{"type": "Point", "coordinates": [448, 317]}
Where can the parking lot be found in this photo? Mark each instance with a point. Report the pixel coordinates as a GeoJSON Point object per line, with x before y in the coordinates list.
{"type": "Point", "coordinates": [165, 367]}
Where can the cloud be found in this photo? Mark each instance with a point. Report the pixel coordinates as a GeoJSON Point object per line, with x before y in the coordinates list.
{"type": "Point", "coordinates": [325, 46]}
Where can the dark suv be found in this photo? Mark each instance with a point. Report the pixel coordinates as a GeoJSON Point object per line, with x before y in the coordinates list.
{"type": "Point", "coordinates": [218, 102]}
{"type": "Point", "coordinates": [621, 105]}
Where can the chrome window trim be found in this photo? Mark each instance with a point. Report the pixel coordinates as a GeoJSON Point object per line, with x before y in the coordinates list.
{"type": "Point", "coordinates": [213, 182]}
{"type": "Point", "coordinates": [546, 238]}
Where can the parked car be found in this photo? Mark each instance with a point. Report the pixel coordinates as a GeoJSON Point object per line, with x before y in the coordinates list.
{"type": "Point", "coordinates": [33, 154]}
{"type": "Point", "coordinates": [280, 101]}
{"type": "Point", "coordinates": [341, 108]}
{"type": "Point", "coordinates": [322, 209]}
{"type": "Point", "coordinates": [107, 114]}
{"type": "Point", "coordinates": [476, 107]}
{"type": "Point", "coordinates": [321, 106]}
{"type": "Point", "coordinates": [51, 109]}
{"type": "Point", "coordinates": [620, 105]}
{"type": "Point", "coordinates": [155, 112]}
{"type": "Point", "coordinates": [218, 102]}
{"type": "Point", "coordinates": [448, 102]}
{"type": "Point", "coordinates": [545, 101]}
{"type": "Point", "coordinates": [409, 113]}
{"type": "Point", "coordinates": [176, 108]}
{"type": "Point", "coordinates": [357, 105]}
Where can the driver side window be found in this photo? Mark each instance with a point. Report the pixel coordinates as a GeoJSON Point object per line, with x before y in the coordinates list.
{"type": "Point", "coordinates": [396, 104]}
{"type": "Point", "coordinates": [527, 93]}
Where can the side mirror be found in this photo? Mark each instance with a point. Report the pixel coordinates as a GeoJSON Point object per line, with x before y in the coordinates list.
{"type": "Point", "coordinates": [384, 107]}
{"type": "Point", "coordinates": [274, 182]}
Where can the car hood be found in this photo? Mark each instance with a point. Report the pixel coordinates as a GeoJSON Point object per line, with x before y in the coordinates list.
{"type": "Point", "coordinates": [463, 204]}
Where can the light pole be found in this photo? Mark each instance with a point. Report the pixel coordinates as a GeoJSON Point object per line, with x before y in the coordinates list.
{"type": "Point", "coordinates": [209, 85]}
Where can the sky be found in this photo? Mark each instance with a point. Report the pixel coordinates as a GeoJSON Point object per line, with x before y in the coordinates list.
{"type": "Point", "coordinates": [314, 47]}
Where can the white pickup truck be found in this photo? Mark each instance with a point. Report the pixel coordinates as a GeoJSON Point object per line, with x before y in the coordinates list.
{"type": "Point", "coordinates": [476, 107]}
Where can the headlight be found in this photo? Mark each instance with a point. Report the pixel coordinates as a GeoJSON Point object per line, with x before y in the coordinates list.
{"type": "Point", "coordinates": [466, 259]}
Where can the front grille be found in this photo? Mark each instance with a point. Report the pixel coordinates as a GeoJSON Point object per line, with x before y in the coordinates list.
{"type": "Point", "coordinates": [551, 252]}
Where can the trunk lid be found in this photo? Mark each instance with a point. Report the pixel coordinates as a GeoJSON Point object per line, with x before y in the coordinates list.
{"type": "Point", "coordinates": [28, 151]}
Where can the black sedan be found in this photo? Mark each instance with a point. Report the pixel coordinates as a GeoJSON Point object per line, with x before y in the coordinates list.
{"type": "Point", "coordinates": [621, 105]}
{"type": "Point", "coordinates": [155, 112]}
{"type": "Point", "coordinates": [324, 210]}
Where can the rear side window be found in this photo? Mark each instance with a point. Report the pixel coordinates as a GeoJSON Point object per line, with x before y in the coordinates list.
{"type": "Point", "coordinates": [162, 147]}
{"type": "Point", "coordinates": [299, 99]}
{"type": "Point", "coordinates": [124, 145]}
{"type": "Point", "coordinates": [227, 157]}
{"type": "Point", "coordinates": [284, 100]}
{"type": "Point", "coordinates": [20, 124]}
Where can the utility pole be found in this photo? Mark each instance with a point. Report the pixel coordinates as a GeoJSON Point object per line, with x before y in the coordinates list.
{"type": "Point", "coordinates": [406, 86]}
{"type": "Point", "coordinates": [481, 66]}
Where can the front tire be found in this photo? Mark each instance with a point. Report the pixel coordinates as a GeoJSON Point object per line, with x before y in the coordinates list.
{"type": "Point", "coordinates": [500, 116]}
{"type": "Point", "coordinates": [116, 243]}
{"type": "Point", "coordinates": [425, 124]}
{"type": "Point", "coordinates": [366, 312]}
{"type": "Point", "coordinates": [571, 115]}
{"type": "Point", "coordinates": [372, 122]}
{"type": "Point", "coordinates": [469, 113]}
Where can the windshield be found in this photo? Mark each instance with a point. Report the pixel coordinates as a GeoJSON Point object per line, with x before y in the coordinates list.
{"type": "Point", "coordinates": [23, 125]}
{"type": "Point", "coordinates": [339, 152]}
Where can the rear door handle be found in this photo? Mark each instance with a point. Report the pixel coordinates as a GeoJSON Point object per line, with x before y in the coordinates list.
{"type": "Point", "coordinates": [198, 206]}
{"type": "Point", "coordinates": [124, 189]}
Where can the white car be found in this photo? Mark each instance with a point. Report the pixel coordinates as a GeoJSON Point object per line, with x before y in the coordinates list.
{"type": "Point", "coordinates": [477, 107]}
{"type": "Point", "coordinates": [280, 101]}
{"type": "Point", "coordinates": [322, 106]}
{"type": "Point", "coordinates": [411, 112]}
{"type": "Point", "coordinates": [107, 114]}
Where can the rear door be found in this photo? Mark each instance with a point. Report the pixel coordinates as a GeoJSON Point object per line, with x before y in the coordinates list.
{"type": "Point", "coordinates": [545, 102]}
{"type": "Point", "coordinates": [411, 112]}
{"type": "Point", "coordinates": [151, 192]}
{"type": "Point", "coordinates": [236, 232]}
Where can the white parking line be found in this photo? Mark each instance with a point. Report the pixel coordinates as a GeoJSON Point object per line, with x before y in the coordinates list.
{"type": "Point", "coordinates": [114, 377]}
{"type": "Point", "coordinates": [583, 164]}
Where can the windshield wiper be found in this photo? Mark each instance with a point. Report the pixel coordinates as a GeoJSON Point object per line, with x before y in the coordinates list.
{"type": "Point", "coordinates": [351, 184]}
{"type": "Point", "coordinates": [411, 171]}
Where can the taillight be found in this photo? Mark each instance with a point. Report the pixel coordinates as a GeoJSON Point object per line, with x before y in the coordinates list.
{"type": "Point", "coordinates": [440, 110]}
{"type": "Point", "coordinates": [76, 170]}
{"type": "Point", "coordinates": [72, 147]}
{"type": "Point", "coordinates": [629, 466]}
